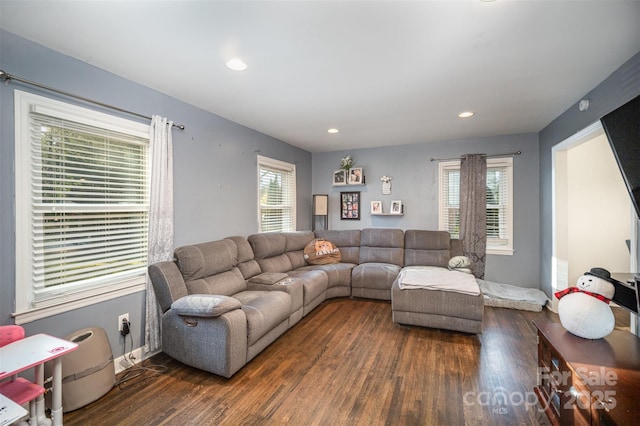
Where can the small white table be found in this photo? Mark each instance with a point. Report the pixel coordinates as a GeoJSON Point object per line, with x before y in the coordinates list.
{"type": "Point", "coordinates": [33, 352]}
{"type": "Point", "coordinates": [10, 412]}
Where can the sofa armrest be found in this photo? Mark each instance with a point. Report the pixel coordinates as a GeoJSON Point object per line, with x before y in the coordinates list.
{"type": "Point", "coordinates": [268, 278]}
{"type": "Point", "coordinates": [204, 305]}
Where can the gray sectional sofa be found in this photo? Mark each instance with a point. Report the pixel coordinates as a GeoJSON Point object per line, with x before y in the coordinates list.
{"type": "Point", "coordinates": [223, 302]}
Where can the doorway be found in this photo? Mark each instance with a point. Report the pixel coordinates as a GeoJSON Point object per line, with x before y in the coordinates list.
{"type": "Point", "coordinates": [592, 212]}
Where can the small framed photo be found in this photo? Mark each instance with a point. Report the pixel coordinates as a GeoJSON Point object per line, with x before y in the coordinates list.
{"type": "Point", "coordinates": [340, 177]}
{"type": "Point", "coordinates": [376, 207]}
{"type": "Point", "coordinates": [396, 207]}
{"type": "Point", "coordinates": [355, 176]}
{"type": "Point", "coordinates": [350, 206]}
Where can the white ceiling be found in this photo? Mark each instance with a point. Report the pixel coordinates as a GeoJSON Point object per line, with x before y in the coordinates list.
{"type": "Point", "coordinates": [384, 73]}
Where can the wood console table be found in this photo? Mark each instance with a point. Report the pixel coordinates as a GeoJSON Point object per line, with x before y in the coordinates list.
{"type": "Point", "coordinates": [588, 382]}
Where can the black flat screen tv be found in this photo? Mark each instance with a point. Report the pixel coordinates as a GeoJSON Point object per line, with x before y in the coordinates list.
{"type": "Point", "coordinates": [622, 127]}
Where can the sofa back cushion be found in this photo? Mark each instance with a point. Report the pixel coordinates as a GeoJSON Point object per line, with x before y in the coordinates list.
{"type": "Point", "coordinates": [428, 248]}
{"type": "Point", "coordinates": [348, 241]}
{"type": "Point", "coordinates": [225, 283]}
{"type": "Point", "coordinates": [211, 268]}
{"type": "Point", "coordinates": [246, 262]}
{"type": "Point", "coordinates": [269, 251]}
{"type": "Point", "coordinates": [202, 260]}
{"type": "Point", "coordinates": [294, 247]}
{"type": "Point", "coordinates": [382, 246]}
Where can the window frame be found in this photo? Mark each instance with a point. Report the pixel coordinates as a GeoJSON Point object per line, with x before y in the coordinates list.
{"type": "Point", "coordinates": [27, 309]}
{"type": "Point", "coordinates": [505, 248]}
{"type": "Point", "coordinates": [266, 162]}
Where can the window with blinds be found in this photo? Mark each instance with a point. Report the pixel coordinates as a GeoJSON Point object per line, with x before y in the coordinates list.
{"type": "Point", "coordinates": [83, 199]}
{"type": "Point", "coordinates": [276, 195]}
{"type": "Point", "coordinates": [499, 202]}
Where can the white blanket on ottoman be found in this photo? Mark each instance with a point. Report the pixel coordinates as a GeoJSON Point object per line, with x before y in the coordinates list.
{"type": "Point", "coordinates": [434, 278]}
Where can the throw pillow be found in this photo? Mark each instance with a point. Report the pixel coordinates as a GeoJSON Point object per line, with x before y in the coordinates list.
{"type": "Point", "coordinates": [459, 262]}
{"type": "Point", "coordinates": [321, 252]}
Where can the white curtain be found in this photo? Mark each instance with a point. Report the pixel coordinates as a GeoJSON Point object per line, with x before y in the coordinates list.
{"type": "Point", "coordinates": [160, 218]}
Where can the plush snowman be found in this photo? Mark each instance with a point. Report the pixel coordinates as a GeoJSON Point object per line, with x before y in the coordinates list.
{"type": "Point", "coordinates": [584, 309]}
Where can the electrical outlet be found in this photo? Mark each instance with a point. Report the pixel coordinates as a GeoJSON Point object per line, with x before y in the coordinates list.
{"type": "Point", "coordinates": [121, 318]}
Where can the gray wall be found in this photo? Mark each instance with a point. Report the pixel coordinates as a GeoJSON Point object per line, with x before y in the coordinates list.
{"type": "Point", "coordinates": [214, 174]}
{"type": "Point", "coordinates": [617, 89]}
{"type": "Point", "coordinates": [415, 182]}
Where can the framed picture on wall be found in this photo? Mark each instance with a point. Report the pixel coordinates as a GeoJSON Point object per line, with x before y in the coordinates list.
{"type": "Point", "coordinates": [355, 176]}
{"type": "Point", "coordinates": [340, 177]}
{"type": "Point", "coordinates": [396, 207]}
{"type": "Point", "coordinates": [350, 205]}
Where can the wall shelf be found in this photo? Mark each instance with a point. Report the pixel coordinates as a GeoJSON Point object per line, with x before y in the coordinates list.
{"type": "Point", "coordinates": [387, 214]}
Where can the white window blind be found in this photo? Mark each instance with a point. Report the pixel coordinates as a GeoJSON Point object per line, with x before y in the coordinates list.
{"type": "Point", "coordinates": [85, 201]}
{"type": "Point", "coordinates": [276, 195]}
{"type": "Point", "coordinates": [450, 200]}
{"type": "Point", "coordinates": [499, 197]}
{"type": "Point", "coordinates": [497, 205]}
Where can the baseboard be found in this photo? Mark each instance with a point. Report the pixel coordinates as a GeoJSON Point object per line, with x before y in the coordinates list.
{"type": "Point", "coordinates": [123, 362]}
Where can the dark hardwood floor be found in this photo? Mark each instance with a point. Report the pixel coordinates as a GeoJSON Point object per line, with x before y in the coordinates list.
{"type": "Point", "coordinates": [346, 363]}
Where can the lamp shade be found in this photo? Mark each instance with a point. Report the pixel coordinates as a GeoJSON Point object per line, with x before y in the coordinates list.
{"type": "Point", "coordinates": [320, 204]}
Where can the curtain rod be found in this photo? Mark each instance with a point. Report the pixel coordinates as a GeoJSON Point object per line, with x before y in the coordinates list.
{"type": "Point", "coordinates": [509, 154]}
{"type": "Point", "coordinates": [8, 77]}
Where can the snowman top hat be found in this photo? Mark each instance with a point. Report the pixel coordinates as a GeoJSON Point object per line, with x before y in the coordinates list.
{"type": "Point", "coordinates": [600, 273]}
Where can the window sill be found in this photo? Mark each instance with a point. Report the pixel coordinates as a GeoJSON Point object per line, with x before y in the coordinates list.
{"type": "Point", "coordinates": [70, 305]}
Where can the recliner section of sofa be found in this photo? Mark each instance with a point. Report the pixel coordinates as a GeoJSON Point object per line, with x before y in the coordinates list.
{"type": "Point", "coordinates": [283, 252]}
{"type": "Point", "coordinates": [436, 309]}
{"type": "Point", "coordinates": [209, 307]}
{"type": "Point", "coordinates": [381, 258]}
{"type": "Point", "coordinates": [225, 301]}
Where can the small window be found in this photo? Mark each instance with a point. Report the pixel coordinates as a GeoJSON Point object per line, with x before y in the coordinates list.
{"type": "Point", "coordinates": [499, 196]}
{"type": "Point", "coordinates": [82, 203]}
{"type": "Point", "coordinates": [276, 195]}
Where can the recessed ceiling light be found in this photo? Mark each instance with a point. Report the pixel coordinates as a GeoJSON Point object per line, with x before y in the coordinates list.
{"type": "Point", "coordinates": [333, 130]}
{"type": "Point", "coordinates": [466, 114]}
{"type": "Point", "coordinates": [236, 64]}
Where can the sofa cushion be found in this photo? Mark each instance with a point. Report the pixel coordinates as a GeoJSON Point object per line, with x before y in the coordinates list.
{"type": "Point", "coordinates": [314, 283]}
{"type": "Point", "coordinates": [338, 274]}
{"type": "Point", "coordinates": [269, 251]}
{"type": "Point", "coordinates": [294, 247]}
{"type": "Point", "coordinates": [267, 244]}
{"type": "Point", "coordinates": [348, 241]}
{"type": "Point", "coordinates": [225, 283]}
{"type": "Point", "coordinates": [379, 245]}
{"type": "Point", "coordinates": [202, 260]}
{"type": "Point", "coordinates": [264, 310]}
{"type": "Point", "coordinates": [375, 275]}
{"type": "Point", "coordinates": [204, 305]}
{"type": "Point", "coordinates": [297, 240]}
{"type": "Point", "coordinates": [427, 248]}
{"type": "Point", "coordinates": [246, 262]}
